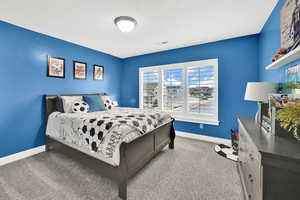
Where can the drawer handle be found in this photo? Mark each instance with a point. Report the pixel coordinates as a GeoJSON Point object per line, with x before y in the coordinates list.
{"type": "Point", "coordinates": [251, 180]}
{"type": "Point", "coordinates": [250, 175]}
{"type": "Point", "coordinates": [249, 196]}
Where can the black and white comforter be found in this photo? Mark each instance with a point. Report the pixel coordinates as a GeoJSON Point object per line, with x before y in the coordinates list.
{"type": "Point", "coordinates": [101, 133]}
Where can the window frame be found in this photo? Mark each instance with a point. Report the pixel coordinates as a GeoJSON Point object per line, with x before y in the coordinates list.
{"type": "Point", "coordinates": [185, 115]}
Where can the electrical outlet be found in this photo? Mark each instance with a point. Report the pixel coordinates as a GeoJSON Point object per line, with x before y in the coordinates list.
{"type": "Point", "coordinates": [201, 126]}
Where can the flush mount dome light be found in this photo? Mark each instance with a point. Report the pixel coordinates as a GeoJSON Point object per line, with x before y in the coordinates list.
{"type": "Point", "coordinates": [125, 23]}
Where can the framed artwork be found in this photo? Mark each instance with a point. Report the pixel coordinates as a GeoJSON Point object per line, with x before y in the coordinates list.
{"type": "Point", "coordinates": [56, 67]}
{"type": "Point", "coordinates": [98, 73]}
{"type": "Point", "coordinates": [80, 70]}
{"type": "Point", "coordinates": [290, 24]}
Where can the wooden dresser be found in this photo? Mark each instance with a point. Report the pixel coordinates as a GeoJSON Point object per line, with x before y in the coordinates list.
{"type": "Point", "coordinates": [269, 166]}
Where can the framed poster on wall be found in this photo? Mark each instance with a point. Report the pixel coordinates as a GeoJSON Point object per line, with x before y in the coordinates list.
{"type": "Point", "coordinates": [98, 73]}
{"type": "Point", "coordinates": [290, 24]}
{"type": "Point", "coordinates": [80, 70]}
{"type": "Point", "coordinates": [56, 67]}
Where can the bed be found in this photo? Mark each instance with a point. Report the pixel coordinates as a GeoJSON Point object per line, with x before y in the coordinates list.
{"type": "Point", "coordinates": [128, 157]}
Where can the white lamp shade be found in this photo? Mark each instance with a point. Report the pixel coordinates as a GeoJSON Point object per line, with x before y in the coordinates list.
{"type": "Point", "coordinates": [259, 91]}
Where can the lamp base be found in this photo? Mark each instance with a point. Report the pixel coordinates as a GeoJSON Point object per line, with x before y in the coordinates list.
{"type": "Point", "coordinates": [258, 114]}
{"type": "Point", "coordinates": [256, 117]}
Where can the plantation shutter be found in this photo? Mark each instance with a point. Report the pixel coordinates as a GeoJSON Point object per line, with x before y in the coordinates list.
{"type": "Point", "coordinates": [173, 89]}
{"type": "Point", "coordinates": [201, 90]}
{"type": "Point", "coordinates": [150, 89]}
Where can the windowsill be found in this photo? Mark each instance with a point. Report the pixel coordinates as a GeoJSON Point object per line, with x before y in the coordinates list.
{"type": "Point", "coordinates": [196, 119]}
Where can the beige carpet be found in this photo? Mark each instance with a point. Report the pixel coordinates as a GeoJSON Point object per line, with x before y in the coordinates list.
{"type": "Point", "coordinates": [193, 171]}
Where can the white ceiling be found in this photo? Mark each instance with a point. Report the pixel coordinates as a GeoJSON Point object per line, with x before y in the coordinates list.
{"type": "Point", "coordinates": [180, 22]}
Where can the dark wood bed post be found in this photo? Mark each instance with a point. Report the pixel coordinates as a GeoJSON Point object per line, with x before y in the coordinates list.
{"type": "Point", "coordinates": [122, 186]}
{"type": "Point", "coordinates": [47, 143]}
{"type": "Point", "coordinates": [47, 111]}
{"type": "Point", "coordinates": [123, 173]}
{"type": "Point", "coordinates": [172, 136]}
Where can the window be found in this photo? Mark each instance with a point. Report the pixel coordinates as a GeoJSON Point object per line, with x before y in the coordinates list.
{"type": "Point", "coordinates": [188, 91]}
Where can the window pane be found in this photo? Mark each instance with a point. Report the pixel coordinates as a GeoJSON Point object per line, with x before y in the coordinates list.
{"type": "Point", "coordinates": [173, 92]}
{"type": "Point", "coordinates": [150, 89]}
{"type": "Point", "coordinates": [201, 94]}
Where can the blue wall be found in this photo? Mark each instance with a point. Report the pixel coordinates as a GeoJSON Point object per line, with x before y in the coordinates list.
{"type": "Point", "coordinates": [23, 81]}
{"type": "Point", "coordinates": [269, 44]}
{"type": "Point", "coordinates": [238, 64]}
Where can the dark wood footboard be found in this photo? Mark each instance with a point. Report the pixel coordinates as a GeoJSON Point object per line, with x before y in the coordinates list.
{"type": "Point", "coordinates": [135, 155]}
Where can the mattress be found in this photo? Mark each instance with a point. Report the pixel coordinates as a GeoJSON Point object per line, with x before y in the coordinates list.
{"type": "Point", "coordinates": [100, 134]}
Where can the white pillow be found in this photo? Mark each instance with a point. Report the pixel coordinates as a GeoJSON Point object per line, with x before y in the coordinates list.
{"type": "Point", "coordinates": [108, 103]}
{"type": "Point", "coordinates": [80, 107]}
{"type": "Point", "coordinates": [68, 102]}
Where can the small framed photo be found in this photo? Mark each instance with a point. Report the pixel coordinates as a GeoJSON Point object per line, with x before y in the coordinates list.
{"type": "Point", "coordinates": [56, 67]}
{"type": "Point", "coordinates": [80, 70]}
{"type": "Point", "coordinates": [98, 73]}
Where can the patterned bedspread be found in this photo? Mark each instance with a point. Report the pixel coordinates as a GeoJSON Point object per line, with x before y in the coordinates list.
{"type": "Point", "coordinates": [102, 133]}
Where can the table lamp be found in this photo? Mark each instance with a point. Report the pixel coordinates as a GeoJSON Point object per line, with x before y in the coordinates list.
{"type": "Point", "coordinates": [259, 91]}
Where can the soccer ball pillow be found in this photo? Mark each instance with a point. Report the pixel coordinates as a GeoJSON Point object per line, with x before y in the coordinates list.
{"type": "Point", "coordinates": [108, 103]}
{"type": "Point", "coordinates": [80, 107]}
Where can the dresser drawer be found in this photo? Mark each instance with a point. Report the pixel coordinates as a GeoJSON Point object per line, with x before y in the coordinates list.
{"type": "Point", "coordinates": [247, 177]}
{"type": "Point", "coordinates": [254, 179]}
{"type": "Point", "coordinates": [247, 153]}
{"type": "Point", "coordinates": [252, 176]}
{"type": "Point", "coordinates": [243, 146]}
{"type": "Point", "coordinates": [257, 184]}
{"type": "Point", "coordinates": [250, 159]}
{"type": "Point", "coordinates": [253, 151]}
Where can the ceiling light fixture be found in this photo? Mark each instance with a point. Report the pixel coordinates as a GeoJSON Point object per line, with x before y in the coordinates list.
{"type": "Point", "coordinates": [125, 23]}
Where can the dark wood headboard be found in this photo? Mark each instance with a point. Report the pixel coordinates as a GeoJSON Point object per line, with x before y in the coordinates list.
{"type": "Point", "coordinates": [51, 101]}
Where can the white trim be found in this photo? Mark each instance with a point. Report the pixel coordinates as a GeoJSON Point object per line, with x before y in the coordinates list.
{"type": "Point", "coordinates": [196, 120]}
{"type": "Point", "coordinates": [22, 155]}
{"type": "Point", "coordinates": [160, 89]}
{"type": "Point", "coordinates": [185, 64]}
{"type": "Point", "coordinates": [203, 138]}
{"type": "Point", "coordinates": [141, 81]}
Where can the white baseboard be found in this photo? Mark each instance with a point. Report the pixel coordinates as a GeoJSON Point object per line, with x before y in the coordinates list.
{"type": "Point", "coordinates": [22, 155]}
{"type": "Point", "coordinates": [204, 138]}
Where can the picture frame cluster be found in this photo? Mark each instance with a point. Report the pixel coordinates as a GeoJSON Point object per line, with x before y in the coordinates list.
{"type": "Point", "coordinates": [56, 69]}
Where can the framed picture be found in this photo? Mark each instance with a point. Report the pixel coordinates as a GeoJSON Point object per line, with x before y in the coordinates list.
{"type": "Point", "coordinates": [80, 70]}
{"type": "Point", "coordinates": [56, 67]}
{"type": "Point", "coordinates": [98, 73]}
{"type": "Point", "coordinates": [290, 24]}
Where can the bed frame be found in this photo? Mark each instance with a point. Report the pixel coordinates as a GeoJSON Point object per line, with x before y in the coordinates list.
{"type": "Point", "coordinates": [133, 156]}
